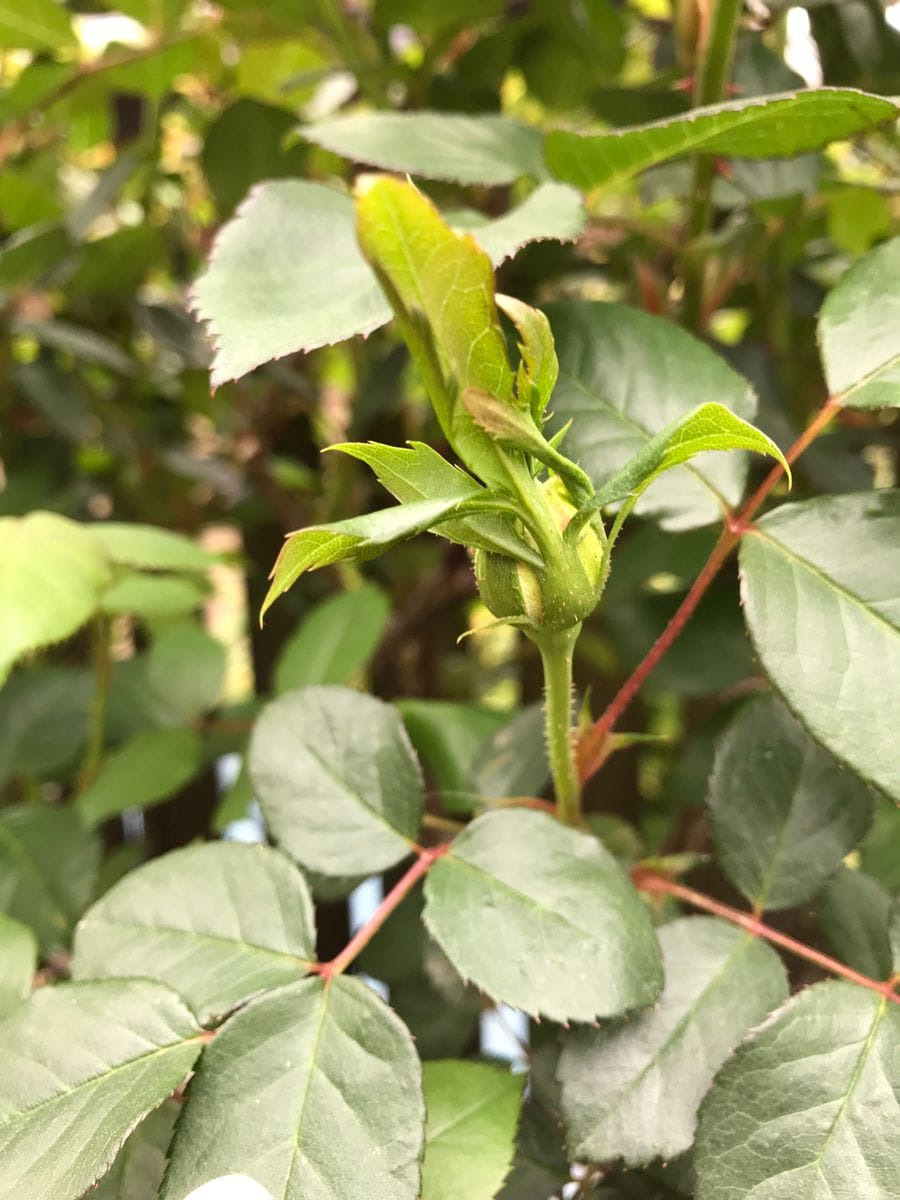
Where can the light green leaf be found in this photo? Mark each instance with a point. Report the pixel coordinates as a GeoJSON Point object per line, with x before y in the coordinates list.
{"type": "Point", "coordinates": [149, 548]}
{"type": "Point", "coordinates": [443, 279]}
{"type": "Point", "coordinates": [623, 377]}
{"type": "Point", "coordinates": [632, 1089]}
{"type": "Point", "coordinates": [854, 913]}
{"type": "Point", "coordinates": [18, 963]}
{"type": "Point", "coordinates": [808, 1107]}
{"type": "Point", "coordinates": [140, 1165]}
{"type": "Point", "coordinates": [151, 596]}
{"type": "Point", "coordinates": [819, 582]}
{"type": "Point", "coordinates": [312, 1090]}
{"type": "Point", "coordinates": [83, 1063]}
{"type": "Point", "coordinates": [48, 868]}
{"type": "Point", "coordinates": [453, 146]}
{"type": "Point", "coordinates": [37, 25]}
{"type": "Point", "coordinates": [51, 575]}
{"type": "Point", "coordinates": [31, 252]}
{"type": "Point", "coordinates": [552, 212]}
{"type": "Point", "coordinates": [769, 127]}
{"type": "Point", "coordinates": [577, 941]}
{"type": "Point", "coordinates": [539, 367]}
{"type": "Point", "coordinates": [783, 812]}
{"type": "Point", "coordinates": [473, 1110]}
{"type": "Point", "coordinates": [44, 718]}
{"type": "Point", "coordinates": [335, 641]}
{"type": "Point", "coordinates": [514, 761]}
{"type": "Point", "coordinates": [707, 427]}
{"type": "Point", "coordinates": [354, 540]}
{"type": "Point", "coordinates": [859, 331]}
{"type": "Point", "coordinates": [418, 472]}
{"type": "Point", "coordinates": [220, 922]}
{"type": "Point", "coordinates": [337, 779]}
{"type": "Point", "coordinates": [145, 771]}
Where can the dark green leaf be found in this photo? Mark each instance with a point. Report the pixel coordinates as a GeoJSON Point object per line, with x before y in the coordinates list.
{"type": "Point", "coordinates": [777, 125]}
{"type": "Point", "coordinates": [219, 922]}
{"type": "Point", "coordinates": [453, 146]}
{"type": "Point", "coordinates": [18, 963]}
{"type": "Point", "coordinates": [244, 144]}
{"type": "Point", "coordinates": [577, 941]}
{"type": "Point", "coordinates": [145, 771]}
{"type": "Point", "coordinates": [808, 1107]}
{"type": "Point", "coordinates": [783, 811]}
{"type": "Point", "coordinates": [337, 780]}
{"type": "Point", "coordinates": [116, 1048]}
{"type": "Point", "coordinates": [48, 867]}
{"type": "Point", "coordinates": [311, 1090]}
{"type": "Point", "coordinates": [623, 377]}
{"type": "Point", "coordinates": [854, 913]}
{"type": "Point", "coordinates": [859, 331]}
{"type": "Point", "coordinates": [819, 585]}
{"type": "Point", "coordinates": [335, 641]}
{"type": "Point", "coordinates": [44, 718]}
{"type": "Point", "coordinates": [140, 1165]}
{"type": "Point", "coordinates": [473, 1110]}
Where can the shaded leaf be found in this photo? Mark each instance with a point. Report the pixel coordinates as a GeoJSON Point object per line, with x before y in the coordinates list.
{"type": "Point", "coordinates": [632, 1089]}
{"type": "Point", "coordinates": [859, 331]}
{"type": "Point", "coordinates": [18, 963]}
{"type": "Point", "coordinates": [783, 811]}
{"type": "Point", "coordinates": [139, 1166]}
{"type": "Point", "coordinates": [473, 1111]}
{"type": "Point", "coordinates": [72, 1052]}
{"type": "Point", "coordinates": [335, 640]}
{"type": "Point", "coordinates": [552, 212]}
{"type": "Point", "coordinates": [764, 128]}
{"type": "Point", "coordinates": [311, 1090]}
{"type": "Point", "coordinates": [577, 941]}
{"type": "Point", "coordinates": [44, 718]}
{"type": "Point", "coordinates": [854, 913]}
{"type": "Point", "coordinates": [819, 583]}
{"type": "Point", "coordinates": [145, 771]}
{"type": "Point", "coordinates": [150, 596]}
{"type": "Point", "coordinates": [337, 779]}
{"type": "Point", "coordinates": [808, 1106]}
{"type": "Point", "coordinates": [219, 922]}
{"type": "Point", "coordinates": [48, 867]}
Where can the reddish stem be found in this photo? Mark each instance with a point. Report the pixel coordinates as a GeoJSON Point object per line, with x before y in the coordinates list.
{"type": "Point", "coordinates": [591, 748]}
{"type": "Point", "coordinates": [364, 935]}
{"type": "Point", "coordinates": [649, 881]}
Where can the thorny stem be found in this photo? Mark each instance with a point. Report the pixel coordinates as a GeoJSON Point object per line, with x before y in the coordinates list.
{"type": "Point", "coordinates": [649, 881]}
{"type": "Point", "coordinates": [591, 749]}
{"type": "Point", "coordinates": [364, 935]}
{"type": "Point", "coordinates": [556, 656]}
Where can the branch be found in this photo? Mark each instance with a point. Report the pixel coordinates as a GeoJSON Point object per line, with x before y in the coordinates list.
{"type": "Point", "coordinates": [591, 748]}
{"type": "Point", "coordinates": [654, 884]}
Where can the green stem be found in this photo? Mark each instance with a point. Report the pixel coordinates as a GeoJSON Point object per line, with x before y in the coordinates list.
{"type": "Point", "coordinates": [102, 679]}
{"type": "Point", "coordinates": [713, 72]}
{"type": "Point", "coordinates": [557, 649]}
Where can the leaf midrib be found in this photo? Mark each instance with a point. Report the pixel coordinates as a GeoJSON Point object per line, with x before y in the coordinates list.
{"type": "Point", "coordinates": [458, 1118]}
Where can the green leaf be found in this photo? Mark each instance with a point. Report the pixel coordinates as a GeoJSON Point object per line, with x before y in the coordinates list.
{"type": "Point", "coordinates": [894, 932]}
{"type": "Point", "coordinates": [434, 275]}
{"type": "Point", "coordinates": [853, 912]}
{"type": "Point", "coordinates": [418, 472]}
{"type": "Point", "coordinates": [624, 376]}
{"type": "Point", "coordinates": [632, 1089]}
{"type": "Point", "coordinates": [260, 131]}
{"type": "Point", "coordinates": [858, 331]}
{"type": "Point", "coordinates": [552, 212]}
{"type": "Point", "coordinates": [473, 1110]}
{"type": "Point", "coordinates": [337, 779]}
{"type": "Point", "coordinates": [312, 1090]}
{"type": "Point", "coordinates": [818, 582]}
{"type": "Point", "coordinates": [774, 126]}
{"type": "Point", "coordinates": [514, 761]}
{"type": "Point", "coordinates": [577, 941]}
{"type": "Point", "coordinates": [220, 922]}
{"type": "Point", "coordinates": [145, 771]}
{"type": "Point", "coordinates": [82, 1064]}
{"type": "Point", "coordinates": [449, 738]}
{"type": "Point", "coordinates": [30, 253]}
{"type": "Point", "coordinates": [151, 596]}
{"type": "Point", "coordinates": [808, 1108]}
{"type": "Point", "coordinates": [40, 25]}
{"type": "Point", "coordinates": [707, 427]}
{"type": "Point", "coordinates": [539, 367]}
{"type": "Point", "coordinates": [354, 540]}
{"type": "Point", "coordinates": [44, 718]}
{"type": "Point", "coordinates": [149, 548]}
{"type": "Point", "coordinates": [18, 963]}
{"type": "Point", "coordinates": [140, 1165]}
{"type": "Point", "coordinates": [48, 868]}
{"type": "Point", "coordinates": [52, 572]}
{"type": "Point", "coordinates": [783, 812]}
{"type": "Point", "coordinates": [335, 641]}
{"type": "Point", "coordinates": [452, 146]}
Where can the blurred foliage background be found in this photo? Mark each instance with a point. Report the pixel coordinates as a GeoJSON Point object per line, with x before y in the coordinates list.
{"type": "Point", "coordinates": [130, 132]}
